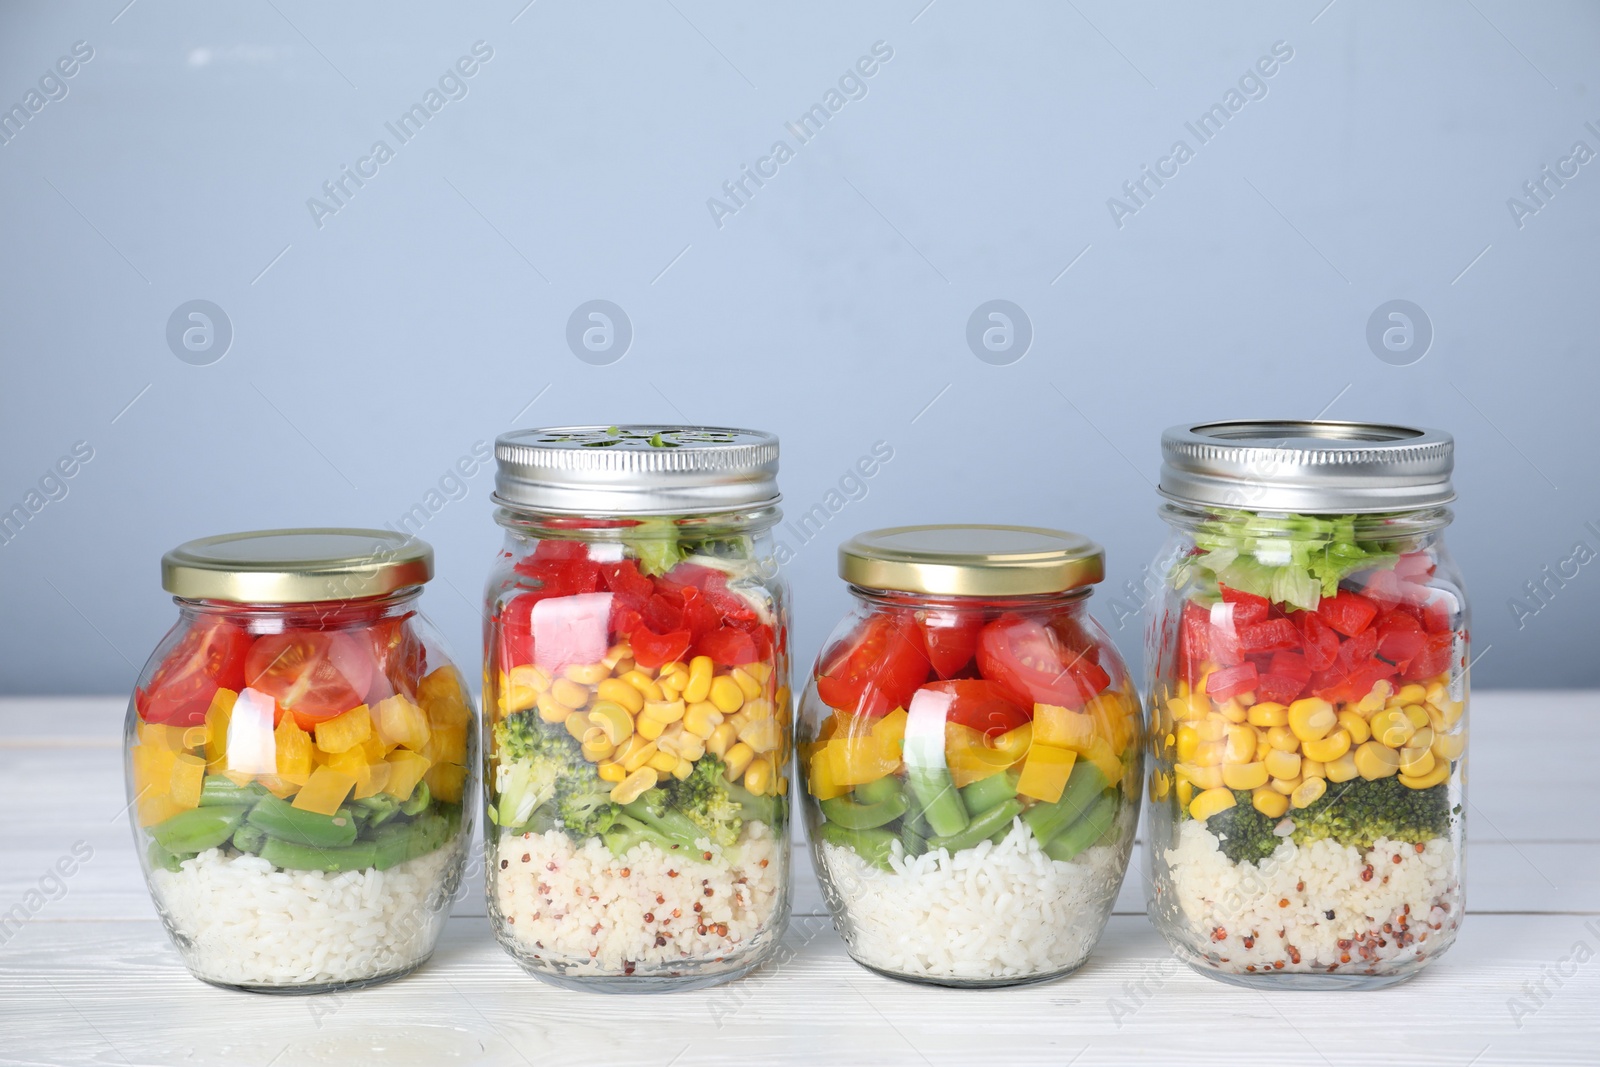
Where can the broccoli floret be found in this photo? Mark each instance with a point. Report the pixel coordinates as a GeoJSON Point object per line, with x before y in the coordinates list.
{"type": "Point", "coordinates": [536, 763]}
{"type": "Point", "coordinates": [719, 807]}
{"type": "Point", "coordinates": [1359, 812]}
{"type": "Point", "coordinates": [584, 804]}
{"type": "Point", "coordinates": [1243, 833]}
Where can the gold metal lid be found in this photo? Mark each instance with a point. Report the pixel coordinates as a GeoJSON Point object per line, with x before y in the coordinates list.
{"type": "Point", "coordinates": [971, 560]}
{"type": "Point", "coordinates": [296, 566]}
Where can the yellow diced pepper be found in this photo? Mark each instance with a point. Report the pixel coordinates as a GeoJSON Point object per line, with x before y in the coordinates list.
{"type": "Point", "coordinates": [156, 807]}
{"type": "Point", "coordinates": [400, 723]}
{"type": "Point", "coordinates": [324, 791]}
{"type": "Point", "coordinates": [152, 770]}
{"type": "Point", "coordinates": [444, 698]}
{"type": "Point", "coordinates": [1014, 744]}
{"type": "Point", "coordinates": [188, 775]}
{"type": "Point", "coordinates": [860, 759]}
{"type": "Point", "coordinates": [159, 735]}
{"type": "Point", "coordinates": [447, 743]}
{"type": "Point", "coordinates": [446, 781]}
{"type": "Point", "coordinates": [344, 731]}
{"type": "Point", "coordinates": [890, 730]}
{"type": "Point", "coordinates": [1063, 728]}
{"type": "Point", "coordinates": [293, 747]}
{"type": "Point", "coordinates": [1045, 772]}
{"type": "Point", "coordinates": [1099, 753]}
{"type": "Point", "coordinates": [217, 716]}
{"type": "Point", "coordinates": [405, 771]}
{"type": "Point", "coordinates": [820, 781]}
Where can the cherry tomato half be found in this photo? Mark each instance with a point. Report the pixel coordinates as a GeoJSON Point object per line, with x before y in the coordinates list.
{"type": "Point", "coordinates": [312, 674]}
{"type": "Point", "coordinates": [1033, 664]}
{"type": "Point", "coordinates": [981, 705]}
{"type": "Point", "coordinates": [875, 669]}
{"type": "Point", "coordinates": [210, 656]}
{"type": "Point", "coordinates": [950, 638]}
{"type": "Point", "coordinates": [398, 656]}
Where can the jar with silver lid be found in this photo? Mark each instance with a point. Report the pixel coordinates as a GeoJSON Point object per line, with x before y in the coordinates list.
{"type": "Point", "coordinates": [301, 757]}
{"type": "Point", "coordinates": [1308, 681]}
{"type": "Point", "coordinates": [637, 675]}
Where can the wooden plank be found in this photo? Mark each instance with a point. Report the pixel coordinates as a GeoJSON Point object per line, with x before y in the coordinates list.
{"type": "Point", "coordinates": [115, 992]}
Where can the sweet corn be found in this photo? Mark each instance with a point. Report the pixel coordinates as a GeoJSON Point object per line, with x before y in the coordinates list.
{"type": "Point", "coordinates": [1440, 772]}
{"type": "Point", "coordinates": [763, 735]}
{"type": "Point", "coordinates": [644, 684]}
{"type": "Point", "coordinates": [1327, 748]}
{"type": "Point", "coordinates": [1268, 714]}
{"type": "Point", "coordinates": [649, 728]}
{"type": "Point", "coordinates": [596, 745]}
{"type": "Point", "coordinates": [689, 746]}
{"type": "Point", "coordinates": [737, 759]}
{"type": "Point", "coordinates": [701, 717]}
{"type": "Point", "coordinates": [634, 785]}
{"type": "Point", "coordinates": [1244, 775]}
{"type": "Point", "coordinates": [610, 771]}
{"type": "Point", "coordinates": [1283, 739]}
{"type": "Point", "coordinates": [756, 708]}
{"type": "Point", "coordinates": [721, 738]}
{"type": "Point", "coordinates": [1269, 802]}
{"type": "Point", "coordinates": [1263, 746]}
{"type": "Point", "coordinates": [522, 686]}
{"type": "Point", "coordinates": [1188, 741]}
{"type": "Point", "coordinates": [663, 711]}
{"type": "Point", "coordinates": [1211, 753]}
{"type": "Point", "coordinates": [1312, 719]}
{"type": "Point", "coordinates": [1202, 776]}
{"type": "Point", "coordinates": [1409, 694]}
{"type": "Point", "coordinates": [570, 693]}
{"type": "Point", "coordinates": [1450, 711]}
{"type": "Point", "coordinates": [746, 681]}
{"type": "Point", "coordinates": [1212, 728]}
{"type": "Point", "coordinates": [1416, 762]}
{"type": "Point", "coordinates": [1211, 802]}
{"type": "Point", "coordinates": [665, 762]}
{"type": "Point", "coordinates": [1375, 698]}
{"type": "Point", "coordinates": [1240, 745]}
{"type": "Point", "coordinates": [726, 694]}
{"type": "Point", "coordinates": [699, 687]}
{"type": "Point", "coordinates": [683, 769]}
{"type": "Point", "coordinates": [1423, 738]}
{"type": "Point", "coordinates": [613, 719]}
{"type": "Point", "coordinates": [1282, 763]}
{"type": "Point", "coordinates": [1185, 792]}
{"type": "Point", "coordinates": [1437, 694]}
{"type": "Point", "coordinates": [615, 655]}
{"type": "Point", "coordinates": [1310, 768]}
{"type": "Point", "coordinates": [1160, 785]}
{"type": "Point", "coordinates": [587, 673]}
{"type": "Point", "coordinates": [738, 720]}
{"type": "Point", "coordinates": [552, 710]}
{"type": "Point", "coordinates": [1392, 728]}
{"type": "Point", "coordinates": [1353, 724]}
{"type": "Point", "coordinates": [760, 670]}
{"type": "Point", "coordinates": [639, 757]}
{"type": "Point", "coordinates": [1308, 793]}
{"type": "Point", "coordinates": [619, 692]}
{"type": "Point", "coordinates": [1342, 769]}
{"type": "Point", "coordinates": [1375, 760]}
{"type": "Point", "coordinates": [758, 779]}
{"type": "Point", "coordinates": [781, 697]}
{"type": "Point", "coordinates": [1234, 712]}
{"type": "Point", "coordinates": [577, 724]}
{"type": "Point", "coordinates": [1449, 747]}
{"type": "Point", "coordinates": [1285, 785]}
{"type": "Point", "coordinates": [672, 685]}
{"type": "Point", "coordinates": [1416, 715]}
{"type": "Point", "coordinates": [629, 747]}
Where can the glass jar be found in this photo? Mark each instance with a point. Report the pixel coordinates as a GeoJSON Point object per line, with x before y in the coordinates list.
{"type": "Point", "coordinates": [971, 748]}
{"type": "Point", "coordinates": [1309, 686]}
{"type": "Point", "coordinates": [299, 761]}
{"type": "Point", "coordinates": [637, 666]}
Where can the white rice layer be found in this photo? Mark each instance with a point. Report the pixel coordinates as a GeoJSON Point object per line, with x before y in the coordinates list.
{"type": "Point", "coordinates": [1318, 906]}
{"type": "Point", "coordinates": [576, 908]}
{"type": "Point", "coordinates": [240, 920]}
{"type": "Point", "coordinates": [1005, 911]}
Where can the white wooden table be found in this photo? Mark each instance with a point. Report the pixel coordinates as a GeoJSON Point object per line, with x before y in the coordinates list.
{"type": "Point", "coordinates": [91, 977]}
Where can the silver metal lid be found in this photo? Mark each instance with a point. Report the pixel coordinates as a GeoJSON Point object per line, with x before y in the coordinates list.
{"type": "Point", "coordinates": [636, 470]}
{"type": "Point", "coordinates": [296, 566]}
{"type": "Point", "coordinates": [1305, 466]}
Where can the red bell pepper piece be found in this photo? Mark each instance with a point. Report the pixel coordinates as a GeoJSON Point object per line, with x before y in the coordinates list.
{"type": "Point", "coordinates": [1349, 613]}
{"type": "Point", "coordinates": [1320, 642]}
{"type": "Point", "coordinates": [1224, 637]}
{"type": "Point", "coordinates": [1400, 637]}
{"type": "Point", "coordinates": [1278, 688]}
{"type": "Point", "coordinates": [1194, 639]}
{"type": "Point", "coordinates": [1434, 659]}
{"type": "Point", "coordinates": [1290, 665]}
{"type": "Point", "coordinates": [1247, 607]}
{"type": "Point", "coordinates": [651, 649]}
{"type": "Point", "coordinates": [1225, 683]}
{"type": "Point", "coordinates": [1267, 636]}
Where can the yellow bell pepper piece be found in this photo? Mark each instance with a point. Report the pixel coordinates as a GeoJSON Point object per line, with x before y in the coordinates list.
{"type": "Point", "coordinates": [293, 749]}
{"type": "Point", "coordinates": [405, 771]}
{"type": "Point", "coordinates": [345, 731]}
{"type": "Point", "coordinates": [324, 791]}
{"type": "Point", "coordinates": [447, 743]}
{"type": "Point", "coordinates": [820, 780]}
{"type": "Point", "coordinates": [444, 698]}
{"type": "Point", "coordinates": [354, 763]}
{"type": "Point", "coordinates": [1014, 744]}
{"type": "Point", "coordinates": [217, 716]}
{"type": "Point", "coordinates": [188, 775]}
{"type": "Point", "coordinates": [376, 781]}
{"type": "Point", "coordinates": [861, 759]}
{"type": "Point", "coordinates": [970, 757]}
{"type": "Point", "coordinates": [1044, 773]}
{"type": "Point", "coordinates": [1058, 726]}
{"type": "Point", "coordinates": [446, 781]}
{"type": "Point", "coordinates": [152, 769]}
{"type": "Point", "coordinates": [1099, 753]}
{"type": "Point", "coordinates": [890, 732]}
{"type": "Point", "coordinates": [159, 735]}
{"type": "Point", "coordinates": [400, 722]}
{"type": "Point", "coordinates": [156, 807]}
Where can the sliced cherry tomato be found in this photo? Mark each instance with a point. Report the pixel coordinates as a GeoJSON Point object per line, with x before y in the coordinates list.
{"type": "Point", "coordinates": [400, 659]}
{"type": "Point", "coordinates": [1028, 660]}
{"type": "Point", "coordinates": [210, 656]}
{"type": "Point", "coordinates": [950, 638]}
{"type": "Point", "coordinates": [1347, 612]}
{"type": "Point", "coordinates": [875, 669]}
{"type": "Point", "coordinates": [312, 674]}
{"type": "Point", "coordinates": [981, 705]}
{"type": "Point", "coordinates": [651, 649]}
{"type": "Point", "coordinates": [1225, 683]}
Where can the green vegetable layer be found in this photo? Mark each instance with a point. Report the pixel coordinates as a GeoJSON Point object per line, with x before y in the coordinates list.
{"type": "Point", "coordinates": [1355, 813]}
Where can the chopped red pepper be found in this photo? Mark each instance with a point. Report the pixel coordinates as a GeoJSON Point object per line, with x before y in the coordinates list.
{"type": "Point", "coordinates": [1225, 683]}
{"type": "Point", "coordinates": [1267, 636]}
{"type": "Point", "coordinates": [1400, 638]}
{"type": "Point", "coordinates": [1349, 613]}
{"type": "Point", "coordinates": [1278, 688]}
{"type": "Point", "coordinates": [651, 649]}
{"type": "Point", "coordinates": [1247, 607]}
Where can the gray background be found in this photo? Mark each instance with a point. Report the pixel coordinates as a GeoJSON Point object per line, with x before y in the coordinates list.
{"type": "Point", "coordinates": [431, 311]}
